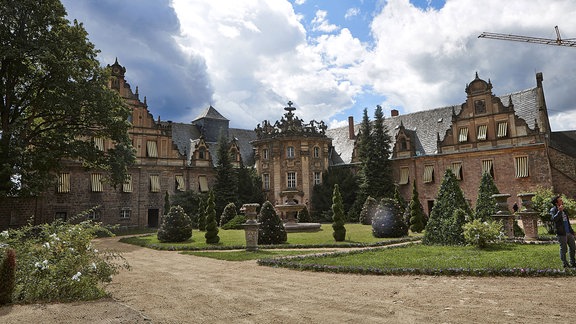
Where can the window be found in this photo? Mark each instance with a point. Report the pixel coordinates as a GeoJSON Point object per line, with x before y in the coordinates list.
{"type": "Point", "coordinates": [457, 170]}
{"type": "Point", "coordinates": [64, 182]}
{"type": "Point", "coordinates": [463, 135]}
{"type": "Point", "coordinates": [265, 154]}
{"type": "Point", "coordinates": [488, 167]}
{"type": "Point", "coordinates": [290, 152]}
{"type": "Point", "coordinates": [316, 152]}
{"type": "Point", "coordinates": [180, 183]}
{"type": "Point", "coordinates": [291, 180]}
{"type": "Point", "coordinates": [202, 183]}
{"type": "Point", "coordinates": [482, 130]}
{"type": "Point", "coordinates": [94, 215]}
{"type": "Point", "coordinates": [502, 129]}
{"type": "Point", "coordinates": [428, 173]}
{"type": "Point", "coordinates": [125, 213]}
{"type": "Point", "coordinates": [521, 163]}
{"type": "Point", "coordinates": [403, 144]}
{"type": "Point", "coordinates": [151, 149]}
{"type": "Point", "coordinates": [404, 173]}
{"type": "Point", "coordinates": [266, 181]}
{"type": "Point", "coordinates": [127, 185]}
{"type": "Point", "coordinates": [154, 183]}
{"type": "Point", "coordinates": [202, 154]}
{"type": "Point", "coordinates": [317, 178]}
{"type": "Point", "coordinates": [99, 143]}
{"type": "Point", "coordinates": [96, 181]}
{"type": "Point", "coordinates": [61, 215]}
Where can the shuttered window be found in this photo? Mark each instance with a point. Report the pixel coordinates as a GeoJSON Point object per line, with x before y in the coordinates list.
{"type": "Point", "coordinates": [203, 183]}
{"type": "Point", "coordinates": [482, 130]}
{"type": "Point", "coordinates": [404, 173]}
{"type": "Point", "coordinates": [64, 182]}
{"type": "Point", "coordinates": [154, 183]}
{"type": "Point", "coordinates": [463, 135]}
{"type": "Point", "coordinates": [521, 163]}
{"type": "Point", "coordinates": [488, 167]}
{"type": "Point", "coordinates": [127, 185]}
{"type": "Point", "coordinates": [457, 170]}
{"type": "Point", "coordinates": [99, 143]}
{"type": "Point", "coordinates": [96, 180]}
{"type": "Point", "coordinates": [502, 129]}
{"type": "Point", "coordinates": [151, 149]}
{"type": "Point", "coordinates": [180, 183]}
{"type": "Point", "coordinates": [428, 173]}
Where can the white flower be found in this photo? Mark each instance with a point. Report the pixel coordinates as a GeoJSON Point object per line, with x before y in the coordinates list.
{"type": "Point", "coordinates": [46, 245]}
{"type": "Point", "coordinates": [54, 237]}
{"type": "Point", "coordinates": [76, 277]}
{"type": "Point", "coordinates": [4, 234]}
{"type": "Point", "coordinates": [41, 265]}
{"type": "Point", "coordinates": [93, 265]}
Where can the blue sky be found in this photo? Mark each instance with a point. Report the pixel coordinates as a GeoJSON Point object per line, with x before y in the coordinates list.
{"type": "Point", "coordinates": [331, 58]}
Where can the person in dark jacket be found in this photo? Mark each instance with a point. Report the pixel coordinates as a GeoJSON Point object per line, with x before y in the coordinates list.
{"type": "Point", "coordinates": [564, 231]}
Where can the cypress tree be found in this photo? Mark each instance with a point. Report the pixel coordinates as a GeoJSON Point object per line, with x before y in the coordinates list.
{"type": "Point", "coordinates": [485, 204]}
{"type": "Point", "coordinates": [228, 214]}
{"type": "Point", "coordinates": [381, 184]}
{"type": "Point", "coordinates": [211, 224]}
{"type": "Point", "coordinates": [271, 229]}
{"type": "Point", "coordinates": [368, 211]}
{"type": "Point", "coordinates": [416, 212]}
{"type": "Point", "coordinates": [439, 229]}
{"type": "Point", "coordinates": [176, 226]}
{"type": "Point", "coordinates": [202, 213]}
{"type": "Point", "coordinates": [338, 216]}
{"type": "Point", "coordinates": [304, 216]}
{"type": "Point", "coordinates": [226, 184]}
{"type": "Point", "coordinates": [166, 203]}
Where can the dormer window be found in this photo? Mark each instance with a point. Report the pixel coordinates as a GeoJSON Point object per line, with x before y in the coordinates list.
{"type": "Point", "coordinates": [202, 154]}
{"type": "Point", "coordinates": [403, 144]}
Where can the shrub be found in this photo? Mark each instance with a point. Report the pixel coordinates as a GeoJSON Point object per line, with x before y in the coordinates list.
{"type": "Point", "coordinates": [388, 220]}
{"type": "Point", "coordinates": [211, 224]}
{"type": "Point", "coordinates": [486, 204]}
{"type": "Point", "coordinates": [228, 214]}
{"type": "Point", "coordinates": [176, 226]}
{"type": "Point", "coordinates": [417, 219]}
{"type": "Point", "coordinates": [338, 217]}
{"type": "Point", "coordinates": [7, 276]}
{"type": "Point", "coordinates": [304, 216]}
{"type": "Point", "coordinates": [235, 223]}
{"type": "Point", "coordinates": [56, 262]}
{"type": "Point", "coordinates": [440, 228]}
{"type": "Point", "coordinates": [271, 229]}
{"type": "Point", "coordinates": [541, 202]}
{"type": "Point", "coordinates": [480, 233]}
{"type": "Point", "coordinates": [368, 210]}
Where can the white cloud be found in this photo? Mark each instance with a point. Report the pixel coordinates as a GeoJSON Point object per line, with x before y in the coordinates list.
{"type": "Point", "coordinates": [352, 12]}
{"type": "Point", "coordinates": [320, 22]}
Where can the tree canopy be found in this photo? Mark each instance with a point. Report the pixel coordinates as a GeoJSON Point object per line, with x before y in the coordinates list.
{"type": "Point", "coordinates": [55, 100]}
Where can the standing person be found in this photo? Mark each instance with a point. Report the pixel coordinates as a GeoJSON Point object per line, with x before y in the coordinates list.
{"type": "Point", "coordinates": [564, 231]}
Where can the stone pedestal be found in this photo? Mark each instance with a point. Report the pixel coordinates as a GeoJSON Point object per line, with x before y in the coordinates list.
{"type": "Point", "coordinates": [529, 217]}
{"type": "Point", "coordinates": [251, 226]}
{"type": "Point", "coordinates": [503, 214]}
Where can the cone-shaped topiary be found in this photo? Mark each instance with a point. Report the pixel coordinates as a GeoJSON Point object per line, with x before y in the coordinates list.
{"type": "Point", "coordinates": [338, 216]}
{"type": "Point", "coordinates": [368, 211]}
{"type": "Point", "coordinates": [416, 212]}
{"type": "Point", "coordinates": [211, 224]}
{"type": "Point", "coordinates": [7, 276]}
{"type": "Point", "coordinates": [485, 204]}
{"type": "Point", "coordinates": [304, 216]}
{"type": "Point", "coordinates": [271, 229]}
{"type": "Point", "coordinates": [440, 228]}
{"type": "Point", "coordinates": [166, 203]}
{"type": "Point", "coordinates": [388, 220]}
{"type": "Point", "coordinates": [228, 214]}
{"type": "Point", "coordinates": [176, 226]}
{"type": "Point", "coordinates": [202, 214]}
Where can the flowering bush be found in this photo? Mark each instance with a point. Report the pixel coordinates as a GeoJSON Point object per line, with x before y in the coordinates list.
{"type": "Point", "coordinates": [57, 262]}
{"type": "Point", "coordinates": [479, 233]}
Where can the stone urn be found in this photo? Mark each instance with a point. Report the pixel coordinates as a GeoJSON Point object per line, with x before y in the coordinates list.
{"type": "Point", "coordinates": [250, 226]}
{"type": "Point", "coordinates": [503, 215]}
{"type": "Point", "coordinates": [529, 217]}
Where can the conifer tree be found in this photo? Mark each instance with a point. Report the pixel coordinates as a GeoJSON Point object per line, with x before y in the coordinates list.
{"type": "Point", "coordinates": [226, 184]}
{"type": "Point", "coordinates": [439, 229]}
{"type": "Point", "coordinates": [176, 226]}
{"type": "Point", "coordinates": [338, 216]}
{"type": "Point", "coordinates": [381, 184]}
{"type": "Point", "coordinates": [211, 224]}
{"type": "Point", "coordinates": [271, 229]}
{"type": "Point", "coordinates": [368, 211]}
{"type": "Point", "coordinates": [166, 203]}
{"type": "Point", "coordinates": [202, 213]}
{"type": "Point", "coordinates": [416, 212]}
{"type": "Point", "coordinates": [228, 214]}
{"type": "Point", "coordinates": [304, 216]}
{"type": "Point", "coordinates": [485, 204]}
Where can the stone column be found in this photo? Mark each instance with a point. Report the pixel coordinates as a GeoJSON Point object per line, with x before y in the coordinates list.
{"type": "Point", "coordinates": [251, 226]}
{"type": "Point", "coordinates": [503, 214]}
{"type": "Point", "coordinates": [529, 217]}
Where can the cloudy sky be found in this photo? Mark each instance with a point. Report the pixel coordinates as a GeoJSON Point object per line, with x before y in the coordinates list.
{"type": "Point", "coordinates": [248, 58]}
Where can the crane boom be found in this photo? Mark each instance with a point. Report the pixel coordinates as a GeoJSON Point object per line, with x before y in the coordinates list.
{"type": "Point", "coordinates": [526, 39]}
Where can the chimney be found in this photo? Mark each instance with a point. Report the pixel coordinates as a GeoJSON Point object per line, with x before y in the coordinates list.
{"type": "Point", "coordinates": [351, 134]}
{"type": "Point", "coordinates": [394, 112]}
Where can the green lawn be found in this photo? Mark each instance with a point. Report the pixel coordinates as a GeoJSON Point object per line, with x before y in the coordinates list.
{"type": "Point", "coordinates": [356, 235]}
{"type": "Point", "coordinates": [251, 255]}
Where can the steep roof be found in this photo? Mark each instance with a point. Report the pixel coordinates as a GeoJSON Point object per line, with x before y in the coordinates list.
{"type": "Point", "coordinates": [210, 113]}
{"type": "Point", "coordinates": [428, 125]}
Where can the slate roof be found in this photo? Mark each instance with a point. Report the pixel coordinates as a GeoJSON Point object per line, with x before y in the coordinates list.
{"type": "Point", "coordinates": [210, 113]}
{"type": "Point", "coordinates": [428, 124]}
{"type": "Point", "coordinates": [564, 141]}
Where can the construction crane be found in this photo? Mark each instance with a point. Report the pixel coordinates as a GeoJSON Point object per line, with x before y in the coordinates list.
{"type": "Point", "coordinates": [526, 39]}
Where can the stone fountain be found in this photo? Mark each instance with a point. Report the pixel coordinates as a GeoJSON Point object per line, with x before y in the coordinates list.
{"type": "Point", "coordinates": [290, 209]}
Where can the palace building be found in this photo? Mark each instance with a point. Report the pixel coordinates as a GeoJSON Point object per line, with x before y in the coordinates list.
{"type": "Point", "coordinates": [508, 136]}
